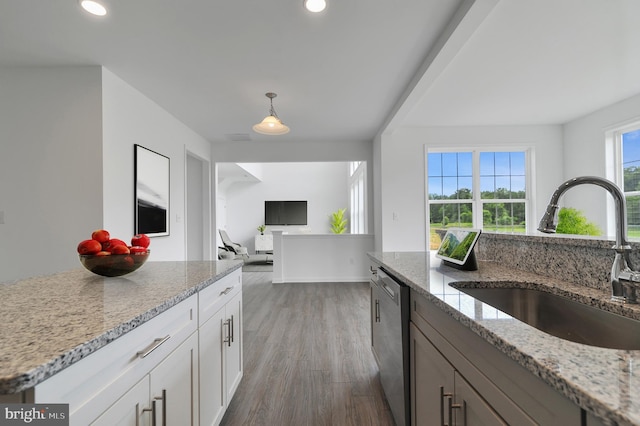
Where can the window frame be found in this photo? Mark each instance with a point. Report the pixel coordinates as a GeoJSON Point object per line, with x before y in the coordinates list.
{"type": "Point", "coordinates": [476, 201]}
{"type": "Point", "coordinates": [358, 197]}
{"type": "Point", "coordinates": [615, 169]}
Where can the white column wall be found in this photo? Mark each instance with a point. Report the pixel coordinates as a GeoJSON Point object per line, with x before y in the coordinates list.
{"type": "Point", "coordinates": [50, 167]}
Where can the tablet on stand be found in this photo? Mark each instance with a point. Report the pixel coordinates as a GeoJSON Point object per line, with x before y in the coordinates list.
{"type": "Point", "coordinates": [456, 249]}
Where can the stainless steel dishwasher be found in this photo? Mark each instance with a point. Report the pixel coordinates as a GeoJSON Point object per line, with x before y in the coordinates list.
{"type": "Point", "coordinates": [390, 341]}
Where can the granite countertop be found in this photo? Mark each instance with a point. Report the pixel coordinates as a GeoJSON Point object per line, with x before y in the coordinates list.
{"type": "Point", "coordinates": [602, 381]}
{"type": "Point", "coordinates": [52, 321]}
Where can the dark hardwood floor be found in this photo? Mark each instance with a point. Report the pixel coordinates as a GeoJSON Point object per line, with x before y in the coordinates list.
{"type": "Point", "coordinates": [307, 356]}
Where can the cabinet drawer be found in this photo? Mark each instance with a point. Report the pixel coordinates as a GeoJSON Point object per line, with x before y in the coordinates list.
{"type": "Point", "coordinates": [92, 384]}
{"type": "Point", "coordinates": [214, 297]}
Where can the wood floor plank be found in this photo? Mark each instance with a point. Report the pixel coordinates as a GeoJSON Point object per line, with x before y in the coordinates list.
{"type": "Point", "coordinates": [307, 356]}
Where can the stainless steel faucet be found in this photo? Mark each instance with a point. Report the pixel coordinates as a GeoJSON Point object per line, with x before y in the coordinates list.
{"type": "Point", "coordinates": [625, 282]}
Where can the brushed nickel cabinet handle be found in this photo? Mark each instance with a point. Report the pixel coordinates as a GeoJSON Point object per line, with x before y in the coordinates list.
{"type": "Point", "coordinates": [444, 394]}
{"type": "Point", "coordinates": [232, 329]}
{"type": "Point", "coordinates": [227, 338]}
{"type": "Point", "coordinates": [152, 346]}
{"type": "Point", "coordinates": [377, 310]}
{"type": "Point", "coordinates": [226, 291]}
{"type": "Point", "coordinates": [163, 398]}
{"type": "Point", "coordinates": [153, 413]}
{"type": "Point", "coordinates": [457, 406]}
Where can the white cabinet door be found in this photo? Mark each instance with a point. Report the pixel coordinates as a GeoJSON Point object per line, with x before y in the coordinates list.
{"type": "Point", "coordinates": [212, 392]}
{"type": "Point", "coordinates": [233, 352]}
{"type": "Point", "coordinates": [174, 385]}
{"type": "Point", "coordinates": [132, 409]}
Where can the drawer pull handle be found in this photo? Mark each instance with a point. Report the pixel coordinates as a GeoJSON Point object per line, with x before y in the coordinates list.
{"type": "Point", "coordinates": [226, 291]}
{"type": "Point", "coordinates": [227, 338]}
{"type": "Point", "coordinates": [152, 347]}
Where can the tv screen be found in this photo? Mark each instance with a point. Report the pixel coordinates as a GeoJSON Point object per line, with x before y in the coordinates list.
{"type": "Point", "coordinates": [285, 212]}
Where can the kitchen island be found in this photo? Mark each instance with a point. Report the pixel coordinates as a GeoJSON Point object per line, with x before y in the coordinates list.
{"type": "Point", "coordinates": [602, 382]}
{"type": "Point", "coordinates": [54, 324]}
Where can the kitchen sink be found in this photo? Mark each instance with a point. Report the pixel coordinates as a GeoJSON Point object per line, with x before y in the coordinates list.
{"type": "Point", "coordinates": [561, 317]}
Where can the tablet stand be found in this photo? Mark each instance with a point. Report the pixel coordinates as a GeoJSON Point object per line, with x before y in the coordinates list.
{"type": "Point", "coordinates": [471, 264]}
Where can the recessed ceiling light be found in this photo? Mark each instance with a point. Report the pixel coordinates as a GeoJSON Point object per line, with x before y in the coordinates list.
{"type": "Point", "coordinates": [315, 5]}
{"type": "Point", "coordinates": [93, 7]}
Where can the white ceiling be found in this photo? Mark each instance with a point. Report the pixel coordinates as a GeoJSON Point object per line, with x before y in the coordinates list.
{"type": "Point", "coordinates": [351, 71]}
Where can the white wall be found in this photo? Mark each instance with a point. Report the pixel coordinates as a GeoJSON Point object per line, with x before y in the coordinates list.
{"type": "Point", "coordinates": [50, 167]}
{"type": "Point", "coordinates": [585, 153]}
{"type": "Point", "coordinates": [132, 118]}
{"type": "Point", "coordinates": [324, 185]}
{"type": "Point", "coordinates": [66, 165]}
{"type": "Point", "coordinates": [402, 173]}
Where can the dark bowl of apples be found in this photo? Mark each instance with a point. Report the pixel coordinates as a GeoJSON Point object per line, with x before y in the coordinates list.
{"type": "Point", "coordinates": [113, 265]}
{"type": "Point", "coordinates": [111, 257]}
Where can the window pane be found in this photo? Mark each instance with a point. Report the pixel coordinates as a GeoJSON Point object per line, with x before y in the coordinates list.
{"type": "Point", "coordinates": [631, 160]}
{"type": "Point", "coordinates": [517, 163]}
{"type": "Point", "coordinates": [633, 216]}
{"type": "Point", "coordinates": [449, 164]}
{"type": "Point", "coordinates": [487, 167]}
{"type": "Point", "coordinates": [464, 187]}
{"type": "Point", "coordinates": [434, 164]}
{"type": "Point", "coordinates": [449, 186]}
{"type": "Point", "coordinates": [502, 163]}
{"type": "Point", "coordinates": [503, 187]}
{"type": "Point", "coordinates": [465, 164]}
{"type": "Point", "coordinates": [517, 187]}
{"type": "Point", "coordinates": [442, 216]}
{"type": "Point", "coordinates": [487, 187]}
{"type": "Point", "coordinates": [435, 188]}
{"type": "Point", "coordinates": [503, 217]}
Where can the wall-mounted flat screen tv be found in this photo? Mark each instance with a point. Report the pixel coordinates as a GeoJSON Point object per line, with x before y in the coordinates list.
{"type": "Point", "coordinates": [285, 212]}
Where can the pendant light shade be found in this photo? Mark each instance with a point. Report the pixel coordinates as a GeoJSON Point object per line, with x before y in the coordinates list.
{"type": "Point", "coordinates": [271, 125]}
{"type": "Point", "coordinates": [315, 5]}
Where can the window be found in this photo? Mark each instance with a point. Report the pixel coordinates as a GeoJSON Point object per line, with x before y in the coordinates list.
{"type": "Point", "coordinates": [630, 173]}
{"type": "Point", "coordinates": [357, 179]}
{"type": "Point", "coordinates": [477, 189]}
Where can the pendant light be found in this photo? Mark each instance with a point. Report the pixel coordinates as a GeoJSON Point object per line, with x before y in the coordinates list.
{"type": "Point", "coordinates": [271, 125]}
{"type": "Point", "coordinates": [315, 5]}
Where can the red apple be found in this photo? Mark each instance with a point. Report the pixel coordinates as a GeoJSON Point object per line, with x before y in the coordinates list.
{"type": "Point", "coordinates": [103, 253]}
{"type": "Point", "coordinates": [100, 235]}
{"type": "Point", "coordinates": [137, 250]}
{"type": "Point", "coordinates": [120, 249]}
{"type": "Point", "coordinates": [141, 240]}
{"type": "Point", "coordinates": [109, 245]}
{"type": "Point", "coordinates": [89, 247]}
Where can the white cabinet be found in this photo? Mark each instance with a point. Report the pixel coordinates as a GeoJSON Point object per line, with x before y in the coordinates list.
{"type": "Point", "coordinates": [181, 367]}
{"type": "Point", "coordinates": [132, 408]}
{"type": "Point", "coordinates": [264, 243]}
{"type": "Point", "coordinates": [93, 384]}
{"type": "Point", "coordinates": [220, 348]}
{"type": "Point", "coordinates": [168, 393]}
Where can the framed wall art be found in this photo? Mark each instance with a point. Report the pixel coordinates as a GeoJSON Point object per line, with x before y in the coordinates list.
{"type": "Point", "coordinates": [151, 180]}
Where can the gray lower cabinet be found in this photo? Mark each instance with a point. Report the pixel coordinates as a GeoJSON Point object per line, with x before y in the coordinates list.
{"type": "Point", "coordinates": [441, 396]}
{"type": "Point", "coordinates": [457, 378]}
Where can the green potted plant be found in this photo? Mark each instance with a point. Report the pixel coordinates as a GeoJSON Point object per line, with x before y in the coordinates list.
{"type": "Point", "coordinates": [338, 222]}
{"type": "Point", "coordinates": [261, 228]}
